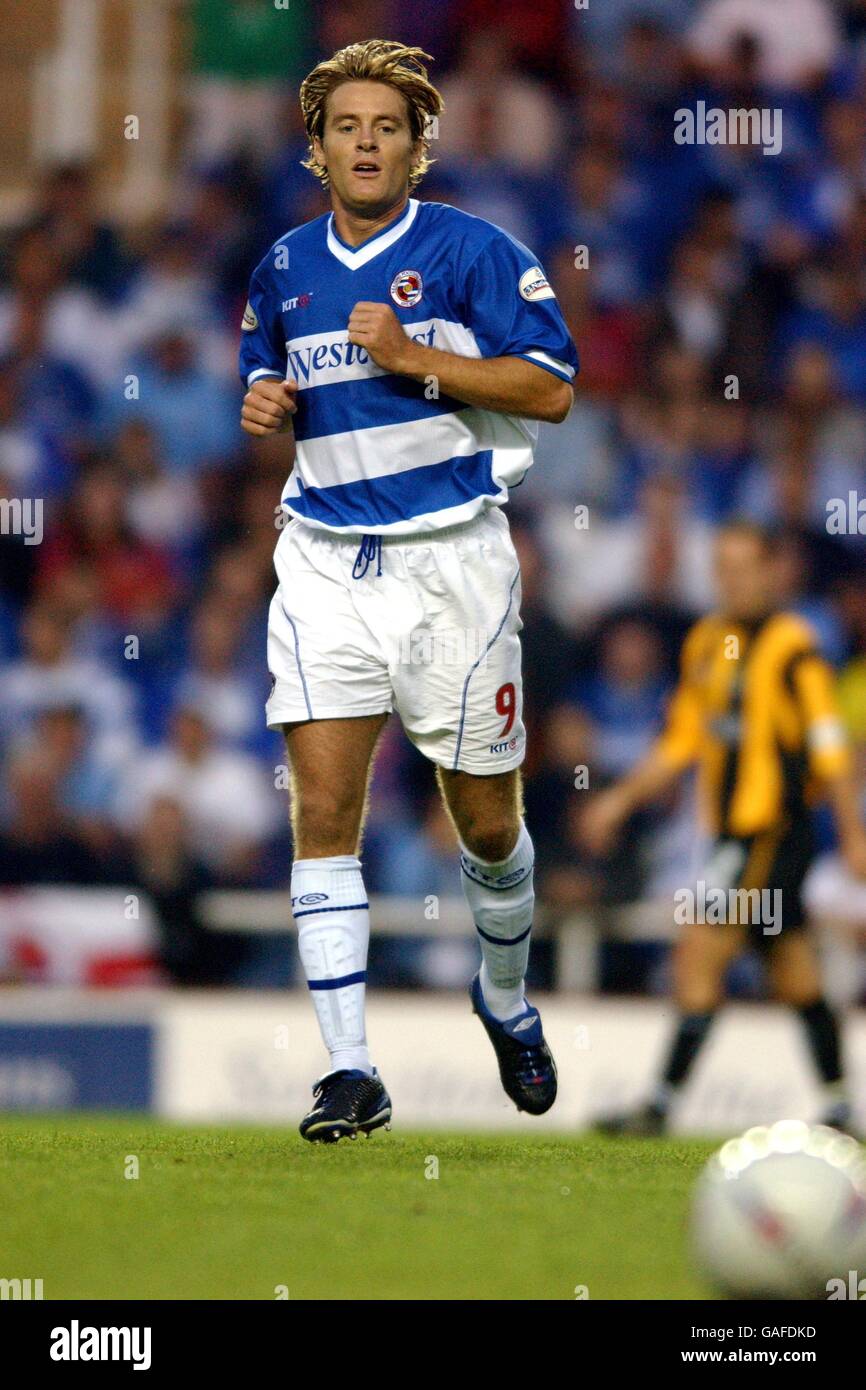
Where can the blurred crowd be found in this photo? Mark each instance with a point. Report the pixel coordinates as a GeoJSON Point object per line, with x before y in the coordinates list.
{"type": "Point", "coordinates": [717, 295]}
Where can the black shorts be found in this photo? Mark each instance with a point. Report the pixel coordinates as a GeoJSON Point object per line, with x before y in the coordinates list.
{"type": "Point", "coordinates": [773, 864]}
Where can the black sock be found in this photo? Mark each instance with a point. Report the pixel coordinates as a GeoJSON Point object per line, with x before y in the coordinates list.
{"type": "Point", "coordinates": [822, 1034]}
{"type": "Point", "coordinates": [687, 1042]}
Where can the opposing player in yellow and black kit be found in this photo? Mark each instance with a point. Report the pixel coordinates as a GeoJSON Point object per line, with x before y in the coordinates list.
{"type": "Point", "coordinates": [755, 710]}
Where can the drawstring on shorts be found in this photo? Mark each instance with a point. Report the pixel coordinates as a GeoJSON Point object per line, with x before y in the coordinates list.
{"type": "Point", "coordinates": [370, 549]}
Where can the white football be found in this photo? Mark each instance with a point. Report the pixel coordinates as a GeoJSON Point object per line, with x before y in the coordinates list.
{"type": "Point", "coordinates": [781, 1212]}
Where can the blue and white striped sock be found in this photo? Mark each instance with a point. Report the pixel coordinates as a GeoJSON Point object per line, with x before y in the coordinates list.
{"type": "Point", "coordinates": [330, 907]}
{"type": "Point", "coordinates": [501, 898]}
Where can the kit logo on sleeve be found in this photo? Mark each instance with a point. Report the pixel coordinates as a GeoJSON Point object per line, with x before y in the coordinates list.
{"type": "Point", "coordinates": [534, 285]}
{"type": "Point", "coordinates": [407, 288]}
{"type": "Point", "coordinates": [250, 319]}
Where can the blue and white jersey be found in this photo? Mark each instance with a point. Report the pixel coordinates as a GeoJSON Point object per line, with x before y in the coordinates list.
{"type": "Point", "coordinates": [377, 452]}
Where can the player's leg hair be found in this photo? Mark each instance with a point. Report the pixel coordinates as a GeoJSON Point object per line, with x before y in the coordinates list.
{"type": "Point", "coordinates": [486, 812]}
{"type": "Point", "coordinates": [701, 957]}
{"type": "Point", "coordinates": [795, 975]}
{"type": "Point", "coordinates": [330, 763]}
{"type": "Point", "coordinates": [496, 864]}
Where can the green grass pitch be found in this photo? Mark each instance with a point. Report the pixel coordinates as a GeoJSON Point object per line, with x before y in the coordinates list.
{"type": "Point", "coordinates": [240, 1213]}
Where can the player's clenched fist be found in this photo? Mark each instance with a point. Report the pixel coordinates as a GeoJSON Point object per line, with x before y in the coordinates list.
{"type": "Point", "coordinates": [269, 406]}
{"type": "Point", "coordinates": [377, 328]}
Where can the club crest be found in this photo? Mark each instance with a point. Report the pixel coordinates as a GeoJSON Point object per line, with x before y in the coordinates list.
{"type": "Point", "coordinates": [407, 288]}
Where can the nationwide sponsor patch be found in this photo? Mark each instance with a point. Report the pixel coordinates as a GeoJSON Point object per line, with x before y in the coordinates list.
{"type": "Point", "coordinates": [407, 288]}
{"type": "Point", "coordinates": [250, 319]}
{"type": "Point", "coordinates": [534, 285]}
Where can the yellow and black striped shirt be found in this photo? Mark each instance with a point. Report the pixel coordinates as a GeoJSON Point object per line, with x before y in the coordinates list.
{"type": "Point", "coordinates": [756, 709]}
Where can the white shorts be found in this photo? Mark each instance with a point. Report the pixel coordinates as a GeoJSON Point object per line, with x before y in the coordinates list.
{"type": "Point", "coordinates": [434, 636]}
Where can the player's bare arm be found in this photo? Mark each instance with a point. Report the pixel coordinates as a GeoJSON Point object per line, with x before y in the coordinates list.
{"type": "Point", "coordinates": [608, 811]}
{"type": "Point", "coordinates": [842, 793]}
{"type": "Point", "coordinates": [509, 385]}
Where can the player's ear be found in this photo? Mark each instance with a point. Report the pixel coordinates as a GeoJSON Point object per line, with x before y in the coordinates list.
{"type": "Point", "coordinates": [318, 151]}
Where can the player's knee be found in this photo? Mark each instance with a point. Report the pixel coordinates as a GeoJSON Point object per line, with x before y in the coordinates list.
{"type": "Point", "coordinates": [698, 979]}
{"type": "Point", "coordinates": [796, 992]}
{"type": "Point", "coordinates": [698, 996]}
{"type": "Point", "coordinates": [491, 839]}
{"type": "Point", "coordinates": [698, 985]}
{"type": "Point", "coordinates": [328, 820]}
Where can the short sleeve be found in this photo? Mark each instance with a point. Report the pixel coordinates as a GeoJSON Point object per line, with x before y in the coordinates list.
{"type": "Point", "coordinates": [512, 309]}
{"type": "Point", "coordinates": [263, 353]}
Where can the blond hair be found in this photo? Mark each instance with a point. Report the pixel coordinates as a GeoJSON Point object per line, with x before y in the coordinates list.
{"type": "Point", "coordinates": [377, 60]}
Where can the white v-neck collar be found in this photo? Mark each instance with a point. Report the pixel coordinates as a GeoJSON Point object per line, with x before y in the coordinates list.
{"type": "Point", "coordinates": [362, 254]}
